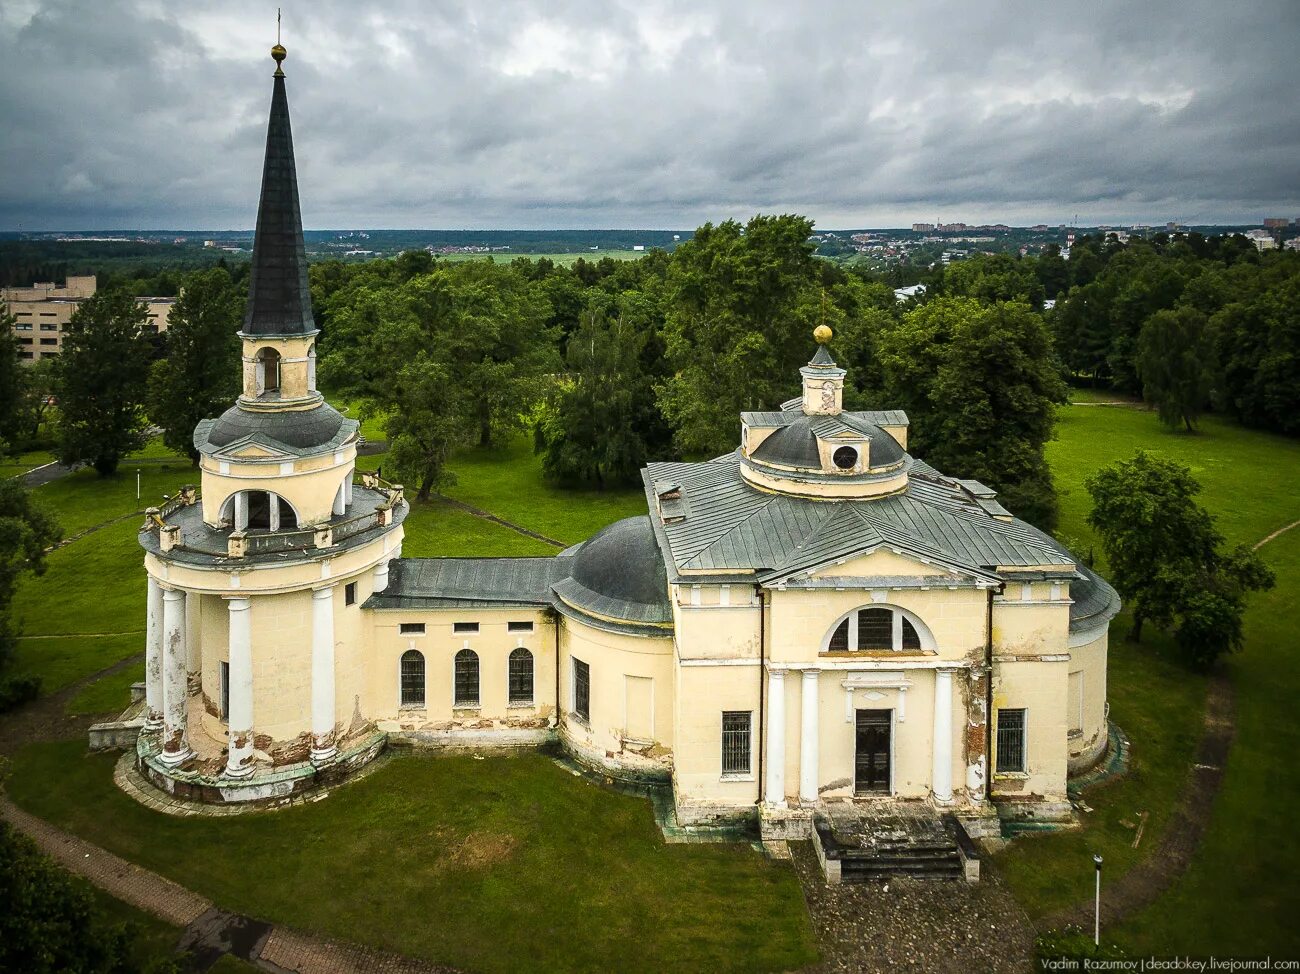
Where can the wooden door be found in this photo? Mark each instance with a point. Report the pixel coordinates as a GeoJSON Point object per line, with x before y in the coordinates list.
{"type": "Point", "coordinates": [871, 765]}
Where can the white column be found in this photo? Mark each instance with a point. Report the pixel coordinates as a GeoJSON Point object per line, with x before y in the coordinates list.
{"type": "Point", "coordinates": [241, 511]}
{"type": "Point", "coordinates": [175, 743]}
{"type": "Point", "coordinates": [381, 576]}
{"type": "Point", "coordinates": [340, 501]}
{"type": "Point", "coordinates": [776, 737]}
{"type": "Point", "coordinates": [239, 720]}
{"type": "Point", "coordinates": [941, 776]}
{"type": "Point", "coordinates": [153, 657]}
{"type": "Point", "coordinates": [347, 490]}
{"type": "Point", "coordinates": [274, 511]}
{"type": "Point", "coordinates": [808, 741]}
{"type": "Point", "coordinates": [322, 674]}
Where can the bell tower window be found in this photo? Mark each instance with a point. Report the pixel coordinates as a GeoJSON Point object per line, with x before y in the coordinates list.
{"type": "Point", "coordinates": [268, 372]}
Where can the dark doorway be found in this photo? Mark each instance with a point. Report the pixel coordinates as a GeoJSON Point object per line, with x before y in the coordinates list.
{"type": "Point", "coordinates": [871, 765]}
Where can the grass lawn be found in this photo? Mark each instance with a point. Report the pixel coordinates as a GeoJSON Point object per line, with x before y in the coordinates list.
{"type": "Point", "coordinates": [64, 660]}
{"type": "Point", "coordinates": [84, 499]}
{"type": "Point", "coordinates": [94, 585]}
{"type": "Point", "coordinates": [22, 462]}
{"type": "Point", "coordinates": [112, 693]}
{"type": "Point", "coordinates": [1240, 893]}
{"type": "Point", "coordinates": [545, 870]}
{"type": "Point", "coordinates": [153, 939]}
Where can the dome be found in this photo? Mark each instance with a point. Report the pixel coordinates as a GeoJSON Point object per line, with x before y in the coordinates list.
{"type": "Point", "coordinates": [795, 445]}
{"type": "Point", "coordinates": [619, 573]}
{"type": "Point", "coordinates": [299, 429]}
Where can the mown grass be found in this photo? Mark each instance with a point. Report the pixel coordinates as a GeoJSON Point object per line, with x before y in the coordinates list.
{"type": "Point", "coordinates": [63, 660]}
{"type": "Point", "coordinates": [109, 694]}
{"type": "Point", "coordinates": [1240, 894]}
{"type": "Point", "coordinates": [487, 864]}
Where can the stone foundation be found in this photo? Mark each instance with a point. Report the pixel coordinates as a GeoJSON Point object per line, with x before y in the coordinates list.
{"type": "Point", "coordinates": [775, 822]}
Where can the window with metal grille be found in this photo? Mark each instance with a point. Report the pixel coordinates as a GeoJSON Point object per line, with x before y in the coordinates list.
{"type": "Point", "coordinates": [876, 629]}
{"type": "Point", "coordinates": [411, 628]}
{"type": "Point", "coordinates": [582, 689]}
{"type": "Point", "coordinates": [465, 627]}
{"type": "Point", "coordinates": [911, 638]}
{"type": "Point", "coordinates": [519, 627]}
{"type": "Point", "coordinates": [467, 678]}
{"type": "Point", "coordinates": [412, 678]}
{"type": "Point", "coordinates": [736, 749]}
{"type": "Point", "coordinates": [521, 678]}
{"type": "Point", "coordinates": [1011, 740]}
{"type": "Point", "coordinates": [840, 638]}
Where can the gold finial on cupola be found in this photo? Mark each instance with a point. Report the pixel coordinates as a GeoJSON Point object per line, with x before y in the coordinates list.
{"type": "Point", "coordinates": [278, 52]}
{"type": "Point", "coordinates": [823, 334]}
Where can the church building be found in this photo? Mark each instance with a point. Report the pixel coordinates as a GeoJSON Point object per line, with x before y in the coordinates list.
{"type": "Point", "coordinates": [816, 617]}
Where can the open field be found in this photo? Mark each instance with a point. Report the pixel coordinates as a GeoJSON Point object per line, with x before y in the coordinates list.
{"type": "Point", "coordinates": [1241, 893]}
{"type": "Point", "coordinates": [545, 870]}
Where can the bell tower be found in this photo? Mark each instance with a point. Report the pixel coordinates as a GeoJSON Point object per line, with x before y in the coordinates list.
{"type": "Point", "coordinates": [279, 333]}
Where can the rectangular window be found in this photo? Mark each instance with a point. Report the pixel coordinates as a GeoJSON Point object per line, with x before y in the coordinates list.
{"type": "Point", "coordinates": [736, 749]}
{"type": "Point", "coordinates": [45, 327]}
{"type": "Point", "coordinates": [412, 628]}
{"type": "Point", "coordinates": [875, 629]}
{"type": "Point", "coordinates": [1011, 740]}
{"type": "Point", "coordinates": [582, 689]}
{"type": "Point", "coordinates": [24, 341]}
{"type": "Point", "coordinates": [519, 627]}
{"type": "Point", "coordinates": [350, 593]}
{"type": "Point", "coordinates": [49, 341]}
{"type": "Point", "coordinates": [23, 326]}
{"type": "Point", "coordinates": [465, 627]}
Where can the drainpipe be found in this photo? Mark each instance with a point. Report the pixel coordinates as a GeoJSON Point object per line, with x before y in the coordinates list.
{"type": "Point", "coordinates": [762, 687]}
{"type": "Point", "coordinates": [555, 621]}
{"type": "Point", "coordinates": [989, 726]}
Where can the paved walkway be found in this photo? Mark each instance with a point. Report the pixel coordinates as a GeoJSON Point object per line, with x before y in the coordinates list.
{"type": "Point", "coordinates": [208, 931]}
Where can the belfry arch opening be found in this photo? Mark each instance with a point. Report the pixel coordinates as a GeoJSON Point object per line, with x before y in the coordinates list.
{"type": "Point", "coordinates": [268, 372]}
{"type": "Point", "coordinates": [258, 510]}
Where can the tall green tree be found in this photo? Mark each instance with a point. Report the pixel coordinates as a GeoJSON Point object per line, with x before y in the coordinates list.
{"type": "Point", "coordinates": [743, 302]}
{"type": "Point", "coordinates": [1175, 363]}
{"type": "Point", "coordinates": [595, 428]}
{"type": "Point", "coordinates": [1167, 559]}
{"type": "Point", "coordinates": [26, 530]}
{"type": "Point", "coordinates": [103, 374]}
{"type": "Point", "coordinates": [11, 386]}
{"type": "Point", "coordinates": [199, 375]}
{"type": "Point", "coordinates": [980, 384]}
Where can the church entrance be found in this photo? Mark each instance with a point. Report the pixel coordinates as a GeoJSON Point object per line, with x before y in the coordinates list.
{"type": "Point", "coordinates": [871, 764]}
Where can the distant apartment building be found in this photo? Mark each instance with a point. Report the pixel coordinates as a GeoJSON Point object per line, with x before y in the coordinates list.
{"type": "Point", "coordinates": [42, 313]}
{"type": "Point", "coordinates": [1262, 239]}
{"type": "Point", "coordinates": [1276, 223]}
{"type": "Point", "coordinates": [923, 228]}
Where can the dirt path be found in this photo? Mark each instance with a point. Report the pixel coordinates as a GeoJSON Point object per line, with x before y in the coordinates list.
{"type": "Point", "coordinates": [914, 925]}
{"type": "Point", "coordinates": [488, 516]}
{"type": "Point", "coordinates": [46, 718]}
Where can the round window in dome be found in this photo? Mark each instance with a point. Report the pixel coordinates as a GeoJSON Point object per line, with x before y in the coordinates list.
{"type": "Point", "coordinates": [846, 457]}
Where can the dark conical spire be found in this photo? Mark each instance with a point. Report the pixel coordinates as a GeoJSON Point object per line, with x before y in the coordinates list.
{"type": "Point", "coordinates": [279, 302]}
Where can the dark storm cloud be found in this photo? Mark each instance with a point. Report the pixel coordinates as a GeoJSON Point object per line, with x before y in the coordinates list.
{"type": "Point", "coordinates": [475, 113]}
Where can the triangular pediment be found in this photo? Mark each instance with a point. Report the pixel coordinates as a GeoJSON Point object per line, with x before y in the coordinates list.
{"type": "Point", "coordinates": [882, 561]}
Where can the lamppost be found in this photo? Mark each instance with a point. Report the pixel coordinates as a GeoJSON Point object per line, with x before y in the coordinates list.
{"type": "Point", "coordinates": [137, 484]}
{"type": "Point", "coordinates": [1096, 920]}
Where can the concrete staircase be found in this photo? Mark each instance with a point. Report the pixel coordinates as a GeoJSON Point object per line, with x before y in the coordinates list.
{"type": "Point", "coordinates": [881, 846]}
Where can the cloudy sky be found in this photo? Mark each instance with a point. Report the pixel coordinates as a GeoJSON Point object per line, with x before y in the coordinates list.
{"type": "Point", "coordinates": [476, 113]}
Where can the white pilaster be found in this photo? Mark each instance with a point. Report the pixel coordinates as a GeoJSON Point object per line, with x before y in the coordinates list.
{"type": "Point", "coordinates": [241, 511]}
{"type": "Point", "coordinates": [808, 740]}
{"type": "Point", "coordinates": [175, 743]}
{"type": "Point", "coordinates": [322, 674]}
{"type": "Point", "coordinates": [239, 721]}
{"type": "Point", "coordinates": [941, 775]}
{"type": "Point", "coordinates": [347, 491]}
{"type": "Point", "coordinates": [776, 737]}
{"type": "Point", "coordinates": [381, 576]}
{"type": "Point", "coordinates": [153, 657]}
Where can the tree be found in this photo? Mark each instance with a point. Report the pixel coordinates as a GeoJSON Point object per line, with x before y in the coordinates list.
{"type": "Point", "coordinates": [11, 386]}
{"type": "Point", "coordinates": [102, 379]}
{"type": "Point", "coordinates": [38, 388]}
{"type": "Point", "coordinates": [1167, 559]}
{"type": "Point", "coordinates": [427, 420]}
{"type": "Point", "coordinates": [743, 302]}
{"type": "Point", "coordinates": [980, 385]}
{"type": "Point", "coordinates": [26, 530]}
{"type": "Point", "coordinates": [595, 428]}
{"type": "Point", "coordinates": [1176, 366]}
{"type": "Point", "coordinates": [50, 924]}
{"type": "Point", "coordinates": [200, 373]}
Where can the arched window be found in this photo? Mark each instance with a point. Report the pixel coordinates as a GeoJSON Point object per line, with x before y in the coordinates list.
{"type": "Point", "coordinates": [412, 678]}
{"type": "Point", "coordinates": [311, 369]}
{"type": "Point", "coordinates": [268, 371]}
{"type": "Point", "coordinates": [466, 678]}
{"type": "Point", "coordinates": [874, 628]}
{"type": "Point", "coordinates": [521, 678]}
{"type": "Point", "coordinates": [259, 510]}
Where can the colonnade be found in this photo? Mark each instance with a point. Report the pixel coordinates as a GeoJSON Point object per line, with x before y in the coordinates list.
{"type": "Point", "coordinates": [166, 666]}
{"type": "Point", "coordinates": [810, 741]}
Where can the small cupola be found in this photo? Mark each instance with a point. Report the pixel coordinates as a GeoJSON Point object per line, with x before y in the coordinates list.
{"type": "Point", "coordinates": [823, 380]}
